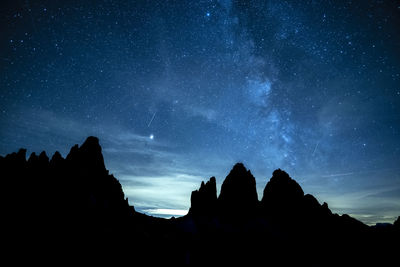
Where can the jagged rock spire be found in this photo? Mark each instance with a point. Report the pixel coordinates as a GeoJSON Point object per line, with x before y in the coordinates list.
{"type": "Point", "coordinates": [204, 200]}
{"type": "Point", "coordinates": [88, 156]}
{"type": "Point", "coordinates": [238, 192]}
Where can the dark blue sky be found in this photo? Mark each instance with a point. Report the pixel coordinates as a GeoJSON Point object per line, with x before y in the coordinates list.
{"type": "Point", "coordinates": [178, 91]}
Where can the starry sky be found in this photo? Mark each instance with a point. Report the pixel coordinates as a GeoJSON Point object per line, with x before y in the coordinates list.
{"type": "Point", "coordinates": [178, 91]}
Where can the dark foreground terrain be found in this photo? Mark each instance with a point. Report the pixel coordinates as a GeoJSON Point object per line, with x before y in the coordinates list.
{"type": "Point", "coordinates": [72, 210]}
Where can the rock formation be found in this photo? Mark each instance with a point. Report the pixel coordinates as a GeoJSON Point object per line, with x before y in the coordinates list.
{"type": "Point", "coordinates": [59, 205]}
{"type": "Point", "coordinates": [64, 189]}
{"type": "Point", "coordinates": [282, 195]}
{"type": "Point", "coordinates": [204, 200]}
{"type": "Point", "coordinates": [238, 195]}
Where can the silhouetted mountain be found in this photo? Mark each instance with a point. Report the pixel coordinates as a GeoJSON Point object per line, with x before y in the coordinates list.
{"type": "Point", "coordinates": [63, 200]}
{"type": "Point", "coordinates": [283, 197]}
{"type": "Point", "coordinates": [204, 200]}
{"type": "Point", "coordinates": [238, 193]}
{"type": "Point", "coordinates": [73, 208]}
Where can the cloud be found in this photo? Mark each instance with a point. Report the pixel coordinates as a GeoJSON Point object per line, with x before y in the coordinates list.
{"type": "Point", "coordinates": [165, 212]}
{"type": "Point", "coordinates": [377, 204]}
{"type": "Point", "coordinates": [155, 175]}
{"type": "Point", "coordinates": [163, 192]}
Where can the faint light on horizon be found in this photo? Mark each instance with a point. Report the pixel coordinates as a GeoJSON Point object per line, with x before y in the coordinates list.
{"type": "Point", "coordinates": [151, 136]}
{"type": "Point", "coordinates": [166, 212]}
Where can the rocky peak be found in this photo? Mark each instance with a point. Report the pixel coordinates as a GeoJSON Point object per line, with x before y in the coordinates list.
{"type": "Point", "coordinates": [76, 187]}
{"type": "Point", "coordinates": [56, 158]}
{"type": "Point", "coordinates": [204, 200]}
{"type": "Point", "coordinates": [238, 191]}
{"type": "Point", "coordinates": [281, 187]}
{"type": "Point", "coordinates": [88, 155]}
{"type": "Point", "coordinates": [283, 197]}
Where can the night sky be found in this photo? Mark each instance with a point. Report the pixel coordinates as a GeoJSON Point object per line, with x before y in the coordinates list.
{"type": "Point", "coordinates": [178, 91]}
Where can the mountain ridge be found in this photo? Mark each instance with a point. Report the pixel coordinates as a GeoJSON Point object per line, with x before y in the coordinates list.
{"type": "Point", "coordinates": [75, 200]}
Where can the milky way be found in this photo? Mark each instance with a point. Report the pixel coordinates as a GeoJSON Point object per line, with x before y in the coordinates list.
{"type": "Point", "coordinates": [178, 91]}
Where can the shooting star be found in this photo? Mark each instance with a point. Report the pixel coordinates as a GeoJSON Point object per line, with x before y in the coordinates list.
{"type": "Point", "coordinates": [315, 149]}
{"type": "Point", "coordinates": [152, 118]}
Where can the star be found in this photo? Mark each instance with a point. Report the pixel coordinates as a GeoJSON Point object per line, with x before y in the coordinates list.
{"type": "Point", "coordinates": [151, 136]}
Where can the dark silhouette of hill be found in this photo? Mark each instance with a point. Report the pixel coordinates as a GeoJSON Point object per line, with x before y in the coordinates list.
{"type": "Point", "coordinates": [74, 209]}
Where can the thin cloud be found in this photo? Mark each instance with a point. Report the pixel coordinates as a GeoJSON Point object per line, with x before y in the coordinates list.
{"type": "Point", "coordinates": [165, 212]}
